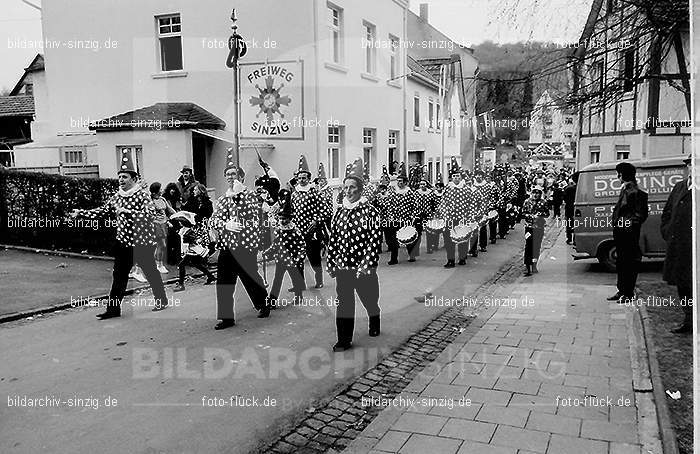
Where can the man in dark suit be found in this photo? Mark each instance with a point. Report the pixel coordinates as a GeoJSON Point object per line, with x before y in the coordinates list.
{"type": "Point", "coordinates": [677, 231]}
{"type": "Point", "coordinates": [630, 212]}
{"type": "Point", "coordinates": [569, 199]}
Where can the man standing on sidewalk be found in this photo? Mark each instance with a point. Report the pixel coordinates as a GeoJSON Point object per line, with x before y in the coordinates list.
{"type": "Point", "coordinates": [136, 240]}
{"type": "Point", "coordinates": [569, 200]}
{"type": "Point", "coordinates": [235, 223]}
{"type": "Point", "coordinates": [629, 214]}
{"type": "Point", "coordinates": [677, 231]}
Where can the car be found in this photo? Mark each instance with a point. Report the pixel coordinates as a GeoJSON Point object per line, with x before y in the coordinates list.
{"type": "Point", "coordinates": [597, 192]}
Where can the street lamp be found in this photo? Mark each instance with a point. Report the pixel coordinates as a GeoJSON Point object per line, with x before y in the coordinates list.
{"type": "Point", "coordinates": [237, 49]}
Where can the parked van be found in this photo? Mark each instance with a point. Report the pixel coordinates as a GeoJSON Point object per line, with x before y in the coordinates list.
{"type": "Point", "coordinates": [596, 195]}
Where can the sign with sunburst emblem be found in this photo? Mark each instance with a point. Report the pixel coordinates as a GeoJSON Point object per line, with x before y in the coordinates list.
{"type": "Point", "coordinates": [272, 100]}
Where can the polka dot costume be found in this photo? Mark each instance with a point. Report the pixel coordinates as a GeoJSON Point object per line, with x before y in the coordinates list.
{"type": "Point", "coordinates": [242, 207]}
{"type": "Point", "coordinates": [480, 204]}
{"type": "Point", "coordinates": [383, 204]}
{"type": "Point", "coordinates": [288, 247]}
{"type": "Point", "coordinates": [402, 206]}
{"type": "Point", "coordinates": [307, 207]}
{"type": "Point", "coordinates": [326, 195]}
{"type": "Point", "coordinates": [355, 239]}
{"type": "Point", "coordinates": [135, 227]}
{"type": "Point", "coordinates": [492, 195]}
{"type": "Point", "coordinates": [425, 204]}
{"type": "Point", "coordinates": [533, 208]}
{"type": "Point", "coordinates": [457, 205]}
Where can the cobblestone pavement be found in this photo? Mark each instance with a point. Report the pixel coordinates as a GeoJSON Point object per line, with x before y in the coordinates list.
{"type": "Point", "coordinates": [556, 374]}
{"type": "Point", "coordinates": [334, 426]}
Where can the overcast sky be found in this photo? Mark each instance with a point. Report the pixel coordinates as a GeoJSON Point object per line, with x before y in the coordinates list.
{"type": "Point", "coordinates": [465, 21]}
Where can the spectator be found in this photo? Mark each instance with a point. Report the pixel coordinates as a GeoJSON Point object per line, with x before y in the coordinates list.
{"type": "Point", "coordinates": [535, 212]}
{"type": "Point", "coordinates": [186, 183]}
{"type": "Point", "coordinates": [569, 199]}
{"type": "Point", "coordinates": [172, 195]}
{"type": "Point", "coordinates": [677, 231]}
{"type": "Point", "coordinates": [629, 214]}
{"type": "Point", "coordinates": [160, 223]}
{"type": "Point", "coordinates": [194, 251]}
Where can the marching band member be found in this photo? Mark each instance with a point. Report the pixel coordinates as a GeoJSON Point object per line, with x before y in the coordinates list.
{"type": "Point", "coordinates": [308, 208]}
{"type": "Point", "coordinates": [453, 209]}
{"type": "Point", "coordinates": [493, 195]}
{"type": "Point", "coordinates": [235, 224]}
{"type": "Point", "coordinates": [326, 194]}
{"type": "Point", "coordinates": [481, 204]}
{"type": "Point", "coordinates": [402, 206]}
{"type": "Point", "coordinates": [535, 213]}
{"type": "Point", "coordinates": [382, 203]}
{"type": "Point", "coordinates": [433, 238]}
{"type": "Point", "coordinates": [136, 240]}
{"type": "Point", "coordinates": [512, 191]}
{"type": "Point", "coordinates": [353, 257]}
{"type": "Point", "coordinates": [425, 208]}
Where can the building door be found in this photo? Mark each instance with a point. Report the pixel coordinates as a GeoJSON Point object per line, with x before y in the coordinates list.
{"type": "Point", "coordinates": [200, 144]}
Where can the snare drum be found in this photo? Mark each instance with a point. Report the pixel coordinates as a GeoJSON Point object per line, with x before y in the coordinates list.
{"type": "Point", "coordinates": [493, 214]}
{"type": "Point", "coordinates": [407, 235]}
{"type": "Point", "coordinates": [435, 225]}
{"type": "Point", "coordinates": [461, 233]}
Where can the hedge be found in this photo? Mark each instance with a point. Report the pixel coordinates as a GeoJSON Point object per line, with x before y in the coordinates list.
{"type": "Point", "coordinates": [34, 210]}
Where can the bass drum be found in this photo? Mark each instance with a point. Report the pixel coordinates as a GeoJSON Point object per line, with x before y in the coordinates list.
{"type": "Point", "coordinates": [407, 235]}
{"type": "Point", "coordinates": [461, 233]}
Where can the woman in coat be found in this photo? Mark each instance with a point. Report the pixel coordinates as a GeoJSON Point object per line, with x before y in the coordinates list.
{"type": "Point", "coordinates": [535, 213]}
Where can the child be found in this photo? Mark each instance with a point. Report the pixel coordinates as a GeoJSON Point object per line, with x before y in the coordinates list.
{"type": "Point", "coordinates": [289, 251]}
{"type": "Point", "coordinates": [194, 253]}
{"type": "Point", "coordinates": [163, 210]}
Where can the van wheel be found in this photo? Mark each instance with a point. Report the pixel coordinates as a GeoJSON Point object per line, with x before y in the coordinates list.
{"type": "Point", "coordinates": [607, 256]}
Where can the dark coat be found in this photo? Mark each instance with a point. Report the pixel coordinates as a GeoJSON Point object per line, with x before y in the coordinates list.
{"type": "Point", "coordinates": [676, 229]}
{"type": "Point", "coordinates": [569, 199]}
{"type": "Point", "coordinates": [632, 207]}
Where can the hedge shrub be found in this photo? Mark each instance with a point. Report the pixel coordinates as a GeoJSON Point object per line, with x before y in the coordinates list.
{"type": "Point", "coordinates": [33, 196]}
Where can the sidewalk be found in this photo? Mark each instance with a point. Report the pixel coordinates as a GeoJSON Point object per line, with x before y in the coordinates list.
{"type": "Point", "coordinates": [557, 376]}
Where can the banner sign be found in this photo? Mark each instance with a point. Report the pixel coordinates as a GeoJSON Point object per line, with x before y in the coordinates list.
{"type": "Point", "coordinates": [272, 100]}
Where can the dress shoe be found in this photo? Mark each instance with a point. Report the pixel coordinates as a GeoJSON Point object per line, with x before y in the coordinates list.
{"type": "Point", "coordinates": [483, 249]}
{"type": "Point", "coordinates": [159, 307]}
{"type": "Point", "coordinates": [179, 288]}
{"type": "Point", "coordinates": [341, 347]}
{"type": "Point", "coordinates": [226, 323]}
{"type": "Point", "coordinates": [318, 285]}
{"type": "Point", "coordinates": [682, 328]}
{"type": "Point", "coordinates": [392, 262]}
{"type": "Point", "coordinates": [615, 297]}
{"type": "Point", "coordinates": [449, 264]}
{"type": "Point", "coordinates": [462, 262]}
{"type": "Point", "coordinates": [264, 312]}
{"type": "Point", "coordinates": [411, 260]}
{"type": "Point", "coordinates": [106, 315]}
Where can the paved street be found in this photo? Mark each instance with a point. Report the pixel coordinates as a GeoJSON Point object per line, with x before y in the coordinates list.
{"type": "Point", "coordinates": [158, 367]}
{"type": "Point", "coordinates": [553, 377]}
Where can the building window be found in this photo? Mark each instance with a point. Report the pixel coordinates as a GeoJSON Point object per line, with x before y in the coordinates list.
{"type": "Point", "coordinates": [133, 152]}
{"type": "Point", "coordinates": [29, 89]}
{"type": "Point", "coordinates": [598, 77]}
{"type": "Point", "coordinates": [595, 154]}
{"type": "Point", "coordinates": [7, 158]}
{"type": "Point", "coordinates": [394, 57]}
{"type": "Point", "coordinates": [74, 155]}
{"type": "Point", "coordinates": [438, 169]}
{"type": "Point", "coordinates": [416, 111]}
{"type": "Point", "coordinates": [622, 152]}
{"type": "Point", "coordinates": [335, 29]}
{"type": "Point", "coordinates": [393, 147]}
{"type": "Point", "coordinates": [547, 134]}
{"type": "Point", "coordinates": [368, 153]}
{"type": "Point", "coordinates": [334, 151]}
{"type": "Point", "coordinates": [431, 108]}
{"type": "Point", "coordinates": [170, 40]}
{"type": "Point", "coordinates": [430, 171]}
{"type": "Point", "coordinates": [628, 70]}
{"type": "Point", "coordinates": [438, 120]}
{"type": "Point", "coordinates": [369, 32]}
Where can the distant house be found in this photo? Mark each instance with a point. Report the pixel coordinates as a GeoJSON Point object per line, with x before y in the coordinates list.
{"type": "Point", "coordinates": [631, 77]}
{"type": "Point", "coordinates": [552, 126]}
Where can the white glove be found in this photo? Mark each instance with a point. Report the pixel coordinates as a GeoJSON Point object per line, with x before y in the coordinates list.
{"type": "Point", "coordinates": [233, 226]}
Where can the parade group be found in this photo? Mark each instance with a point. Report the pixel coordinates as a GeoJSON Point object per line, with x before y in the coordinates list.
{"type": "Point", "coordinates": [307, 220]}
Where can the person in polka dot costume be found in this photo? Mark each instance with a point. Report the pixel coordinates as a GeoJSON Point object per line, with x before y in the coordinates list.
{"type": "Point", "coordinates": [308, 208]}
{"type": "Point", "coordinates": [326, 194]}
{"type": "Point", "coordinates": [288, 250]}
{"type": "Point", "coordinates": [433, 238]}
{"type": "Point", "coordinates": [235, 223]}
{"type": "Point", "coordinates": [382, 203]}
{"type": "Point", "coordinates": [402, 210]}
{"type": "Point", "coordinates": [480, 197]}
{"type": "Point", "coordinates": [135, 211]}
{"type": "Point", "coordinates": [453, 208]}
{"type": "Point", "coordinates": [353, 257]}
{"type": "Point", "coordinates": [493, 195]}
{"type": "Point", "coordinates": [424, 212]}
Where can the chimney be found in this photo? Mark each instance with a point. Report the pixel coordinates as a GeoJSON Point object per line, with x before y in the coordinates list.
{"type": "Point", "coordinates": [424, 11]}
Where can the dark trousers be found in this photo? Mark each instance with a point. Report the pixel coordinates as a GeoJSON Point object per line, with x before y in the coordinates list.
{"type": "Point", "coordinates": [685, 295]}
{"type": "Point", "coordinates": [502, 222]}
{"type": "Point", "coordinates": [556, 208]}
{"type": "Point", "coordinates": [433, 240]}
{"type": "Point", "coordinates": [239, 264]}
{"type": "Point", "coordinates": [124, 259]}
{"type": "Point", "coordinates": [313, 252]}
{"type": "Point", "coordinates": [367, 288]}
{"type": "Point", "coordinates": [173, 247]}
{"type": "Point", "coordinates": [196, 261]}
{"type": "Point", "coordinates": [391, 242]}
{"type": "Point", "coordinates": [569, 228]}
{"type": "Point", "coordinates": [493, 230]}
{"type": "Point", "coordinates": [295, 274]}
{"type": "Point", "coordinates": [481, 239]}
{"type": "Point", "coordinates": [462, 248]}
{"type": "Point", "coordinates": [629, 257]}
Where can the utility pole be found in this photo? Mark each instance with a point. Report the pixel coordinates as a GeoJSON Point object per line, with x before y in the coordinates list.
{"type": "Point", "coordinates": [237, 49]}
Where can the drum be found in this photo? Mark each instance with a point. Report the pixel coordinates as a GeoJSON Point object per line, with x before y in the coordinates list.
{"type": "Point", "coordinates": [435, 225]}
{"type": "Point", "coordinates": [407, 235]}
{"type": "Point", "coordinates": [461, 233]}
{"type": "Point", "coordinates": [493, 214]}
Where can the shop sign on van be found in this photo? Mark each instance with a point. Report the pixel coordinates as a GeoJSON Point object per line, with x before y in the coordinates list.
{"type": "Point", "coordinates": [653, 181]}
{"type": "Point", "coordinates": [271, 100]}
